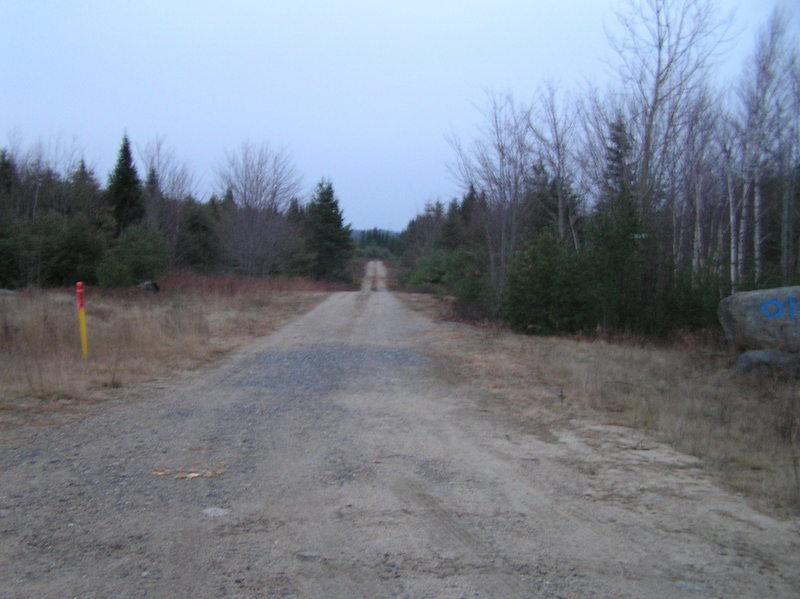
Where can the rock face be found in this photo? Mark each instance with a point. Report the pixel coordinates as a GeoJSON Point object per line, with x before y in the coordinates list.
{"type": "Point", "coordinates": [767, 318]}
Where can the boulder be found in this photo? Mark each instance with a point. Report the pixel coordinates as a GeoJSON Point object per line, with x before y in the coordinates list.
{"type": "Point", "coordinates": [768, 362]}
{"type": "Point", "coordinates": [763, 319]}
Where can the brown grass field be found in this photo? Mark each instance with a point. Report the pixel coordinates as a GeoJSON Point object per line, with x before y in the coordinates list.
{"type": "Point", "coordinates": [134, 336]}
{"type": "Point", "coordinates": [745, 430]}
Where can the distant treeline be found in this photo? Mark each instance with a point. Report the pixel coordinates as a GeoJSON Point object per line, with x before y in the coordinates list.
{"type": "Point", "coordinates": [632, 210]}
{"type": "Point", "coordinates": [60, 225]}
{"type": "Point", "coordinates": [377, 243]}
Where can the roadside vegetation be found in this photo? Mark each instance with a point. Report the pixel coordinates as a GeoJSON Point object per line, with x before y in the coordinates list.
{"type": "Point", "coordinates": [745, 430]}
{"type": "Point", "coordinates": [608, 225]}
{"type": "Point", "coordinates": [134, 335]}
{"type": "Point", "coordinates": [232, 268]}
{"type": "Point", "coordinates": [632, 210]}
{"type": "Point", "coordinates": [59, 225]}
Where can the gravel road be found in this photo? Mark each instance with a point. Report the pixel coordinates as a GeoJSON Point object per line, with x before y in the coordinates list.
{"type": "Point", "coordinates": [333, 459]}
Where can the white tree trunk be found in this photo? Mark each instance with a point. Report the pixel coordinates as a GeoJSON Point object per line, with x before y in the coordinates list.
{"type": "Point", "coordinates": [758, 227]}
{"type": "Point", "coordinates": [743, 224]}
{"type": "Point", "coordinates": [733, 215]}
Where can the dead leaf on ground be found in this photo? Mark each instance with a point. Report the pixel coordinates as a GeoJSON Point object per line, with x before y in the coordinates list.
{"type": "Point", "coordinates": [187, 474]}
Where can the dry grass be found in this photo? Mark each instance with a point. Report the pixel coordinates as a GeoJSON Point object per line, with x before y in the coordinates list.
{"type": "Point", "coordinates": [745, 430]}
{"type": "Point", "coordinates": [133, 335]}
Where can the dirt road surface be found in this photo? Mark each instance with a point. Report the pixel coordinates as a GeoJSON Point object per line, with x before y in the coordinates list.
{"type": "Point", "coordinates": [334, 459]}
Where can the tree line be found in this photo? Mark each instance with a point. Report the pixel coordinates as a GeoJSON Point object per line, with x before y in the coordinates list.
{"type": "Point", "coordinates": [631, 209]}
{"type": "Point", "coordinates": [59, 225]}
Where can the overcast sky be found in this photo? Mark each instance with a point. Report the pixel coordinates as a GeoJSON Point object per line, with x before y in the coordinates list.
{"type": "Point", "coordinates": [361, 92]}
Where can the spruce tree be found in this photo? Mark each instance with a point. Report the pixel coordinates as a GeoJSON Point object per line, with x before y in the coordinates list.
{"type": "Point", "coordinates": [85, 192]}
{"type": "Point", "coordinates": [328, 237]}
{"type": "Point", "coordinates": [615, 234]}
{"type": "Point", "coordinates": [198, 244]}
{"type": "Point", "coordinates": [125, 190]}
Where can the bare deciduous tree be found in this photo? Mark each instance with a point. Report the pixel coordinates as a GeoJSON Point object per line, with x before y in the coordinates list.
{"type": "Point", "coordinates": [766, 98]}
{"type": "Point", "coordinates": [498, 164]}
{"type": "Point", "coordinates": [259, 177]}
{"type": "Point", "coordinates": [790, 159]}
{"type": "Point", "coordinates": [175, 179]}
{"type": "Point", "coordinates": [261, 182]}
{"type": "Point", "coordinates": [168, 182]}
{"type": "Point", "coordinates": [554, 130]}
{"type": "Point", "coordinates": [665, 52]}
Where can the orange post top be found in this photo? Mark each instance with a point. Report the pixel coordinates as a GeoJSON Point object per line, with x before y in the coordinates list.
{"type": "Point", "coordinates": [79, 295]}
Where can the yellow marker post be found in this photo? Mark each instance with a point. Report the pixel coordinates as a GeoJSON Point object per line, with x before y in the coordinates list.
{"type": "Point", "coordinates": [82, 319]}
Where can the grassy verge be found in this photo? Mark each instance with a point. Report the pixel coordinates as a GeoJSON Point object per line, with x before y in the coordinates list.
{"type": "Point", "coordinates": [745, 430]}
{"type": "Point", "coordinates": [133, 335]}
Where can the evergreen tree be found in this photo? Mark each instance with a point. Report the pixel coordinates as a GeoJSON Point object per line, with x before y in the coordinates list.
{"type": "Point", "coordinates": [74, 254]}
{"type": "Point", "coordinates": [548, 290]}
{"type": "Point", "coordinates": [85, 193]}
{"type": "Point", "coordinates": [198, 244]}
{"type": "Point", "coordinates": [9, 268]}
{"type": "Point", "coordinates": [138, 254]}
{"type": "Point", "coordinates": [125, 190]}
{"type": "Point", "coordinates": [328, 237]}
{"type": "Point", "coordinates": [452, 236]}
{"type": "Point", "coordinates": [8, 174]}
{"type": "Point", "coordinates": [296, 212]}
{"type": "Point", "coordinates": [614, 235]}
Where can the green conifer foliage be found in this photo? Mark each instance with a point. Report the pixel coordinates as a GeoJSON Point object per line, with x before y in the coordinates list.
{"type": "Point", "coordinates": [8, 173]}
{"type": "Point", "coordinates": [328, 237]}
{"type": "Point", "coordinates": [73, 254]}
{"type": "Point", "coordinates": [85, 193]}
{"type": "Point", "coordinates": [138, 254]}
{"type": "Point", "coordinates": [9, 268]}
{"type": "Point", "coordinates": [125, 190]}
{"type": "Point", "coordinates": [615, 236]}
{"type": "Point", "coordinates": [548, 288]}
{"type": "Point", "coordinates": [198, 244]}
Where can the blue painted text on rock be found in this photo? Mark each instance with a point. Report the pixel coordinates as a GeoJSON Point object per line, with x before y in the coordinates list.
{"type": "Point", "coordinates": [774, 308]}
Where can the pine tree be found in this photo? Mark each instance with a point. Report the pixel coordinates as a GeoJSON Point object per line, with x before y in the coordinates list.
{"type": "Point", "coordinates": [125, 190]}
{"type": "Point", "coordinates": [328, 238]}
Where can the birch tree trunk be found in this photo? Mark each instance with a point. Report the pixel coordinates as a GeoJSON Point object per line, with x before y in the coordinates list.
{"type": "Point", "coordinates": [733, 216]}
{"type": "Point", "coordinates": [741, 257]}
{"type": "Point", "coordinates": [758, 228]}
